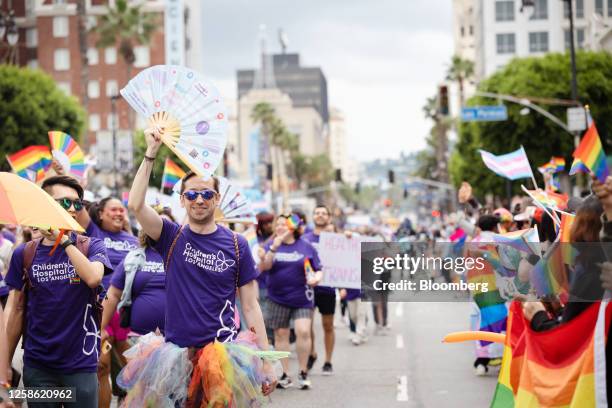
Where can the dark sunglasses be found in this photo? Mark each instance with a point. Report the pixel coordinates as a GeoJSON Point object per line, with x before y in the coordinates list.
{"type": "Point", "coordinates": [192, 195]}
{"type": "Point", "coordinates": [66, 203]}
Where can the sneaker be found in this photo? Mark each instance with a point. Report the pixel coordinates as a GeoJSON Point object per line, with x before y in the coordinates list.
{"type": "Point", "coordinates": [327, 369]}
{"type": "Point", "coordinates": [284, 382]}
{"type": "Point", "coordinates": [355, 339]}
{"type": "Point", "coordinates": [363, 338]}
{"type": "Point", "coordinates": [303, 381]}
{"type": "Point", "coordinates": [481, 370]}
{"type": "Point", "coordinates": [311, 361]}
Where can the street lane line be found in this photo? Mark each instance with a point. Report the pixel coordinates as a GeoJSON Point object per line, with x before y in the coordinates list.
{"type": "Point", "coordinates": [402, 388]}
{"type": "Point", "coordinates": [399, 341]}
{"type": "Point", "coordinates": [399, 310]}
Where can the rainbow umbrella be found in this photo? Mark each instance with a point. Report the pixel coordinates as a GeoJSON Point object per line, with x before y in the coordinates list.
{"type": "Point", "coordinates": [16, 197]}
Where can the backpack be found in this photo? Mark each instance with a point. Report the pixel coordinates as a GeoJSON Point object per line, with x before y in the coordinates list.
{"type": "Point", "coordinates": [29, 251]}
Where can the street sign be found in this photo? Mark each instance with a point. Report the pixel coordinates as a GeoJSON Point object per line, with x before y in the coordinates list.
{"type": "Point", "coordinates": [576, 119]}
{"type": "Point", "coordinates": [484, 113]}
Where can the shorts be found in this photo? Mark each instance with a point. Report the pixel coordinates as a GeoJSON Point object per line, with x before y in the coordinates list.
{"type": "Point", "coordinates": [115, 330]}
{"type": "Point", "coordinates": [325, 302]}
{"type": "Point", "coordinates": [279, 316]}
{"type": "Point", "coordinates": [85, 386]}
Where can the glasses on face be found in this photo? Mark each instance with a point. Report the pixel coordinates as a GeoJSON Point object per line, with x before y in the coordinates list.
{"type": "Point", "coordinates": [192, 195]}
{"type": "Point", "coordinates": [66, 203]}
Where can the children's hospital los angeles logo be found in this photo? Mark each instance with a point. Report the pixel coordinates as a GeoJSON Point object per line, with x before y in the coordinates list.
{"type": "Point", "coordinates": [213, 262]}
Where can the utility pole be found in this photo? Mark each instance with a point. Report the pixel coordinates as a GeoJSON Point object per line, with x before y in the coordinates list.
{"type": "Point", "coordinates": [574, 84]}
{"type": "Point", "coordinates": [115, 170]}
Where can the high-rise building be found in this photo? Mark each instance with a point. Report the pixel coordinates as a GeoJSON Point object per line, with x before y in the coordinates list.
{"type": "Point", "coordinates": [499, 30]}
{"type": "Point", "coordinates": [306, 86]}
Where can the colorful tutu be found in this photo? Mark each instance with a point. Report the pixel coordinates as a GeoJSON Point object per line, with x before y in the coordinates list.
{"type": "Point", "coordinates": [160, 374]}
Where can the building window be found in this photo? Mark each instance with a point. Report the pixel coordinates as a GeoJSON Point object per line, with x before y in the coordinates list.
{"type": "Point", "coordinates": [111, 88]}
{"type": "Point", "coordinates": [504, 10]}
{"type": "Point", "coordinates": [65, 87]}
{"type": "Point", "coordinates": [471, 30]}
{"type": "Point", "coordinates": [599, 9]}
{"type": "Point", "coordinates": [538, 42]}
{"type": "Point", "coordinates": [142, 54]}
{"type": "Point", "coordinates": [94, 122]}
{"type": "Point", "coordinates": [60, 26]}
{"type": "Point", "coordinates": [579, 8]}
{"type": "Point", "coordinates": [580, 38]}
{"type": "Point", "coordinates": [111, 120]}
{"type": "Point", "coordinates": [61, 59]}
{"type": "Point", "coordinates": [540, 10]}
{"type": "Point", "coordinates": [93, 89]}
{"type": "Point", "coordinates": [609, 8]}
{"type": "Point", "coordinates": [31, 37]}
{"type": "Point", "coordinates": [505, 43]}
{"type": "Point", "coordinates": [462, 31]}
{"type": "Point", "coordinates": [110, 56]}
{"type": "Point", "coordinates": [93, 56]}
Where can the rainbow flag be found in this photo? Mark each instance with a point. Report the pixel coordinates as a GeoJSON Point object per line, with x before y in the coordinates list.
{"type": "Point", "coordinates": [492, 306]}
{"type": "Point", "coordinates": [549, 198]}
{"type": "Point", "coordinates": [578, 167]}
{"type": "Point", "coordinates": [251, 237]}
{"type": "Point", "coordinates": [554, 165]}
{"type": "Point", "coordinates": [549, 275]}
{"type": "Point", "coordinates": [172, 174]}
{"type": "Point", "coordinates": [293, 222]}
{"type": "Point", "coordinates": [513, 166]}
{"type": "Point", "coordinates": [31, 163]}
{"type": "Point", "coordinates": [565, 228]}
{"type": "Point", "coordinates": [591, 153]}
{"type": "Point", "coordinates": [561, 367]}
{"type": "Point", "coordinates": [68, 152]}
{"type": "Point", "coordinates": [308, 270]}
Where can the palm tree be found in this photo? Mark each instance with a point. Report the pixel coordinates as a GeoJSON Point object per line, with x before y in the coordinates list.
{"type": "Point", "coordinates": [127, 26]}
{"type": "Point", "coordinates": [460, 70]}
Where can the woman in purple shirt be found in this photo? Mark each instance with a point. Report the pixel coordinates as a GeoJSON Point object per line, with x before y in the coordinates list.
{"type": "Point", "coordinates": [290, 293]}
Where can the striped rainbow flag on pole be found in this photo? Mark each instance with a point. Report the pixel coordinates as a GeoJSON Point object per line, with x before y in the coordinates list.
{"type": "Point", "coordinates": [512, 166]}
{"type": "Point", "coordinates": [563, 367]}
{"type": "Point", "coordinates": [590, 153]}
{"type": "Point", "coordinates": [172, 174]}
{"type": "Point", "coordinates": [31, 163]}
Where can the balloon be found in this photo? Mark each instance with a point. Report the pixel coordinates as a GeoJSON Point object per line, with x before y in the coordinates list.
{"type": "Point", "coordinates": [456, 337]}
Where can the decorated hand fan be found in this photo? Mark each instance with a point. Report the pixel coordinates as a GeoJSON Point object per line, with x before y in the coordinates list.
{"type": "Point", "coordinates": [234, 205]}
{"type": "Point", "coordinates": [189, 109]}
{"type": "Point", "coordinates": [68, 153]}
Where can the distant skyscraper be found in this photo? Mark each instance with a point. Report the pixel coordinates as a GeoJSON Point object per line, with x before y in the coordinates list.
{"type": "Point", "coordinates": [306, 86]}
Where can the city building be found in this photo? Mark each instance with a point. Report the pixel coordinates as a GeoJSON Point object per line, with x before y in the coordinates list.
{"type": "Point", "coordinates": [495, 31]}
{"type": "Point", "coordinates": [338, 144]}
{"type": "Point", "coordinates": [306, 86]}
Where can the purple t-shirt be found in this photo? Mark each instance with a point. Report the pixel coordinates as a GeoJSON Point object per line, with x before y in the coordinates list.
{"type": "Point", "coordinates": [287, 277]}
{"type": "Point", "coordinates": [148, 293]}
{"type": "Point", "coordinates": [9, 235]}
{"type": "Point", "coordinates": [62, 334]}
{"type": "Point", "coordinates": [262, 278]}
{"type": "Point", "coordinates": [117, 244]}
{"type": "Point", "coordinates": [201, 283]}
{"type": "Point", "coordinates": [314, 240]}
{"type": "Point", "coordinates": [4, 289]}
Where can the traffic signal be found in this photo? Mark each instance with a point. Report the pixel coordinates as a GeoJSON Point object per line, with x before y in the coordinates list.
{"type": "Point", "coordinates": [339, 175]}
{"type": "Point", "coordinates": [405, 193]}
{"type": "Point", "coordinates": [269, 171]}
{"type": "Point", "coordinates": [391, 176]}
{"type": "Point", "coordinates": [443, 108]}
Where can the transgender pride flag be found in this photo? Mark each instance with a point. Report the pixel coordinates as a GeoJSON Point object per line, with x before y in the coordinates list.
{"type": "Point", "coordinates": [513, 165]}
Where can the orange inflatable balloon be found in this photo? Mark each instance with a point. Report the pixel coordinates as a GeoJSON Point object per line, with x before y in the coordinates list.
{"type": "Point", "coordinates": [457, 337]}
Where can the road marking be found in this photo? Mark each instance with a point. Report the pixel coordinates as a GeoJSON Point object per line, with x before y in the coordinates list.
{"type": "Point", "coordinates": [402, 388]}
{"type": "Point", "coordinates": [399, 310]}
{"type": "Point", "coordinates": [399, 341]}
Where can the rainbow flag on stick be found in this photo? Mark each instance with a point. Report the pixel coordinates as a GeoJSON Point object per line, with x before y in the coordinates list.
{"type": "Point", "coordinates": [172, 174]}
{"type": "Point", "coordinates": [591, 153]}
{"type": "Point", "coordinates": [565, 228]}
{"type": "Point", "coordinates": [31, 161]}
{"type": "Point", "coordinates": [549, 275]}
{"type": "Point", "coordinates": [561, 367]}
{"type": "Point", "coordinates": [578, 167]}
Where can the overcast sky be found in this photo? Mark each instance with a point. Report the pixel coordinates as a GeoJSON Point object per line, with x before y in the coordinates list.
{"type": "Point", "coordinates": [382, 58]}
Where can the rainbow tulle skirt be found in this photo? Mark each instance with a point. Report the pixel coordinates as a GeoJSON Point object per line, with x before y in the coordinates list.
{"type": "Point", "coordinates": [161, 374]}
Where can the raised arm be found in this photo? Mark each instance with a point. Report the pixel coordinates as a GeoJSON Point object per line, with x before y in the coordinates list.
{"type": "Point", "coordinates": [148, 218]}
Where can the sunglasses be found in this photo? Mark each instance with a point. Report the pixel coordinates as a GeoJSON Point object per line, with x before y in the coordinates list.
{"type": "Point", "coordinates": [192, 195]}
{"type": "Point", "coordinates": [66, 203]}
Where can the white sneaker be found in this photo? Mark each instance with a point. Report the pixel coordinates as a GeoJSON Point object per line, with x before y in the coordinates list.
{"type": "Point", "coordinates": [480, 370]}
{"type": "Point", "coordinates": [363, 338]}
{"type": "Point", "coordinates": [355, 340]}
{"type": "Point", "coordinates": [303, 381]}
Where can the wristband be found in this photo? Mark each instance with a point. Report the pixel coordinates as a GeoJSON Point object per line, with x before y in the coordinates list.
{"type": "Point", "coordinates": [67, 243]}
{"type": "Point", "coordinates": [147, 158]}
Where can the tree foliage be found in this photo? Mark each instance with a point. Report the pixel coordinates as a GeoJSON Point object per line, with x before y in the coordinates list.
{"type": "Point", "coordinates": [544, 77]}
{"type": "Point", "coordinates": [31, 104]}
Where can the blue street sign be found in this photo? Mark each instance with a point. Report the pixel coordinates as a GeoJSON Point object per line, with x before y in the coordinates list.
{"type": "Point", "coordinates": [484, 113]}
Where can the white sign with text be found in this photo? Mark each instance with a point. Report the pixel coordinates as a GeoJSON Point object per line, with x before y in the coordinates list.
{"type": "Point", "coordinates": [341, 260]}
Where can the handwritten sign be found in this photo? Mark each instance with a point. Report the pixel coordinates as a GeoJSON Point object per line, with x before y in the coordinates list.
{"type": "Point", "coordinates": [341, 260]}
